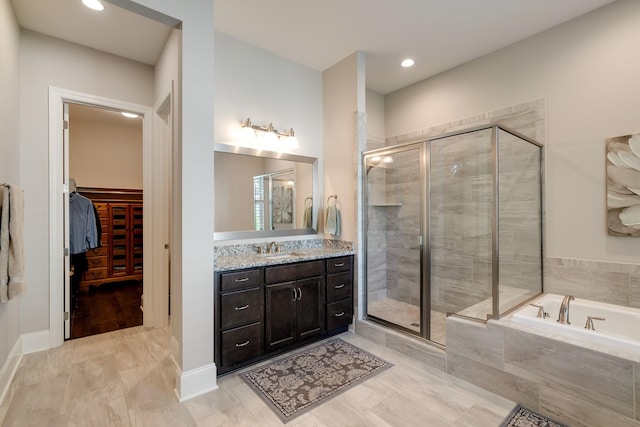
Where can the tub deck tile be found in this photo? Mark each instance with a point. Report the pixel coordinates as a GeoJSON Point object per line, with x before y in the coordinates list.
{"type": "Point", "coordinates": [476, 341]}
{"type": "Point", "coordinates": [595, 376]}
{"type": "Point", "coordinates": [495, 380]}
{"type": "Point", "coordinates": [575, 411]}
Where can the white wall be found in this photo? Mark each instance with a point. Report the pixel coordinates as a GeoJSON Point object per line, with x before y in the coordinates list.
{"type": "Point", "coordinates": [375, 114]}
{"type": "Point", "coordinates": [167, 74]}
{"type": "Point", "coordinates": [44, 62]}
{"type": "Point", "coordinates": [251, 82]}
{"type": "Point", "coordinates": [10, 171]}
{"type": "Point", "coordinates": [105, 155]}
{"type": "Point", "coordinates": [588, 71]}
{"type": "Point", "coordinates": [343, 97]}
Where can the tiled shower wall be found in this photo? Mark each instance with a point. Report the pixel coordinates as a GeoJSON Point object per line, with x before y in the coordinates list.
{"type": "Point", "coordinates": [613, 283]}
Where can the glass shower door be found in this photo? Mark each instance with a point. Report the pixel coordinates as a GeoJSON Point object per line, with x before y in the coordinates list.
{"type": "Point", "coordinates": [394, 211]}
{"type": "Point", "coordinates": [460, 225]}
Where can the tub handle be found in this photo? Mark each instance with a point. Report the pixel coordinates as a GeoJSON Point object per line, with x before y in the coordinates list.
{"type": "Point", "coordinates": [541, 313]}
{"type": "Point", "coordinates": [590, 319]}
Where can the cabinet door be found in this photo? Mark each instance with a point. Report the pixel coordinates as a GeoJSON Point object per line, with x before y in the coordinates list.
{"type": "Point", "coordinates": [310, 307]}
{"type": "Point", "coordinates": [126, 239]}
{"type": "Point", "coordinates": [280, 314]}
{"type": "Point", "coordinates": [135, 232]}
{"type": "Point", "coordinates": [120, 239]}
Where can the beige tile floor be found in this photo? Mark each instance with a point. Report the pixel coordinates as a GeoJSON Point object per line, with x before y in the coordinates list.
{"type": "Point", "coordinates": [125, 378]}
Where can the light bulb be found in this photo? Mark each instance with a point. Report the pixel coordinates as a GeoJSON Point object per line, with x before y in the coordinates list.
{"type": "Point", "coordinates": [290, 140]}
{"type": "Point", "coordinates": [247, 134]}
{"type": "Point", "coordinates": [407, 63]}
{"type": "Point", "coordinates": [93, 4]}
{"type": "Point", "coordinates": [129, 115]}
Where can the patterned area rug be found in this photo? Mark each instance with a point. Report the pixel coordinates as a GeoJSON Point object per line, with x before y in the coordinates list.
{"type": "Point", "coordinates": [298, 383]}
{"type": "Point", "coordinates": [523, 417]}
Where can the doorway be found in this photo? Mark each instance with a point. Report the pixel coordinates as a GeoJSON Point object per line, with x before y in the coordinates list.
{"type": "Point", "coordinates": [155, 237]}
{"type": "Point", "coordinates": [106, 249]}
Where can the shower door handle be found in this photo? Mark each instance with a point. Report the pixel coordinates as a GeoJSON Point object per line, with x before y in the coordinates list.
{"type": "Point", "coordinates": [419, 239]}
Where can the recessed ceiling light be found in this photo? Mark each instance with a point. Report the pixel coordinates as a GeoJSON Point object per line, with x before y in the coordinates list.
{"type": "Point", "coordinates": [93, 4]}
{"type": "Point", "coordinates": [407, 63]}
{"type": "Point", "coordinates": [129, 115]}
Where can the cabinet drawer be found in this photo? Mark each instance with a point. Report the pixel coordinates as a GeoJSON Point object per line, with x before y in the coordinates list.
{"type": "Point", "coordinates": [239, 308]}
{"type": "Point", "coordinates": [97, 261]}
{"type": "Point", "coordinates": [101, 251]}
{"type": "Point", "coordinates": [338, 286]}
{"type": "Point", "coordinates": [240, 279]}
{"type": "Point", "coordinates": [339, 314]}
{"type": "Point", "coordinates": [339, 264]}
{"type": "Point", "coordinates": [290, 272]}
{"type": "Point", "coordinates": [95, 274]}
{"type": "Point", "coordinates": [240, 344]}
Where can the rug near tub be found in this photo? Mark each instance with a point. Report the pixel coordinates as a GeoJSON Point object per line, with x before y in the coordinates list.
{"type": "Point", "coordinates": [523, 417]}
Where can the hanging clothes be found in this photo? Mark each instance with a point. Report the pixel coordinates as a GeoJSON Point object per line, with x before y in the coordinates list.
{"type": "Point", "coordinates": [83, 231]}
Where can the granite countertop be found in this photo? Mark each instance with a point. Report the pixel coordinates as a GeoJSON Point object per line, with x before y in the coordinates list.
{"type": "Point", "coordinates": [236, 262]}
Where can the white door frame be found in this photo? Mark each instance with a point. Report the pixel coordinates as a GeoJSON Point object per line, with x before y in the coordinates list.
{"type": "Point", "coordinates": [57, 97]}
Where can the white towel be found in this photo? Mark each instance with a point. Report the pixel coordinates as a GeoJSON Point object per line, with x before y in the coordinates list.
{"type": "Point", "coordinates": [306, 219]}
{"type": "Point", "coordinates": [16, 242]}
{"type": "Point", "coordinates": [332, 223]}
{"type": "Point", "coordinates": [4, 243]}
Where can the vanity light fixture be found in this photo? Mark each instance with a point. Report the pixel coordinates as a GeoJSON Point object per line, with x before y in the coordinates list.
{"type": "Point", "coordinates": [254, 134]}
{"type": "Point", "coordinates": [93, 4]}
{"type": "Point", "coordinates": [129, 115]}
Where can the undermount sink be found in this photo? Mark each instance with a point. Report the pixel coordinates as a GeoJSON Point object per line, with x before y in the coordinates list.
{"type": "Point", "coordinates": [282, 255]}
{"type": "Point", "coordinates": [277, 256]}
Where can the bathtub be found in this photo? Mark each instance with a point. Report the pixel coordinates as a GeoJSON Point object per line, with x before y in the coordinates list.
{"type": "Point", "coordinates": [620, 330]}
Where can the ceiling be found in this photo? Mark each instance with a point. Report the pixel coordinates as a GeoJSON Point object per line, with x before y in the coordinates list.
{"type": "Point", "coordinates": [437, 34]}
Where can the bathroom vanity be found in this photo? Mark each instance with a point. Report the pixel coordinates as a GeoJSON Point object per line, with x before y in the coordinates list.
{"type": "Point", "coordinates": [279, 303]}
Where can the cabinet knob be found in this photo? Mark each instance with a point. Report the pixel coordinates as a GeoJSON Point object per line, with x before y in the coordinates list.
{"type": "Point", "coordinates": [339, 314]}
{"type": "Point", "coordinates": [339, 264]}
{"type": "Point", "coordinates": [244, 279]}
{"type": "Point", "coordinates": [340, 286]}
{"type": "Point", "coordinates": [244, 307]}
{"type": "Point", "coordinates": [246, 343]}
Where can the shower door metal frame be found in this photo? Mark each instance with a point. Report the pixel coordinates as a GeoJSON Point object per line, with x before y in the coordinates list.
{"type": "Point", "coordinates": [422, 238]}
{"type": "Point", "coordinates": [425, 237]}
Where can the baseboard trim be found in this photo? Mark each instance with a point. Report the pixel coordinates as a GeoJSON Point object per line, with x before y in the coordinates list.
{"type": "Point", "coordinates": [195, 382]}
{"type": "Point", "coordinates": [35, 341]}
{"type": "Point", "coordinates": [9, 368]}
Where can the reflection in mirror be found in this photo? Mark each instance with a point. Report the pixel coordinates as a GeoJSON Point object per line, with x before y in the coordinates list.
{"type": "Point", "coordinates": [259, 195]}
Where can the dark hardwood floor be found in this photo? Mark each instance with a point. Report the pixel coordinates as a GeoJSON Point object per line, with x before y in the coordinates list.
{"type": "Point", "coordinates": [106, 308]}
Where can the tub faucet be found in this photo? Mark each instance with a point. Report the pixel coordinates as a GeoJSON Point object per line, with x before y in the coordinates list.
{"type": "Point", "coordinates": [563, 315]}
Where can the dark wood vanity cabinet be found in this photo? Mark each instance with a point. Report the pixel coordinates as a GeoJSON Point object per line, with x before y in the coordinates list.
{"type": "Point", "coordinates": [339, 292]}
{"type": "Point", "coordinates": [294, 310]}
{"type": "Point", "coordinates": [264, 311]}
{"type": "Point", "coordinates": [240, 314]}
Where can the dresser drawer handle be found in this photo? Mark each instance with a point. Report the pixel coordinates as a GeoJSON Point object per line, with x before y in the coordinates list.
{"type": "Point", "coordinates": [340, 264]}
{"type": "Point", "coordinates": [340, 286]}
{"type": "Point", "coordinates": [244, 307]}
{"type": "Point", "coordinates": [244, 344]}
{"type": "Point", "coordinates": [244, 279]}
{"type": "Point", "coordinates": [339, 314]}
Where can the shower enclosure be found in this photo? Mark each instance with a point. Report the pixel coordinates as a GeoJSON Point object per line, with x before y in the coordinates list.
{"type": "Point", "coordinates": [453, 225]}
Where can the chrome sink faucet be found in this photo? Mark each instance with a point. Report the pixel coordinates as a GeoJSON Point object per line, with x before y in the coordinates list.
{"type": "Point", "coordinates": [563, 315]}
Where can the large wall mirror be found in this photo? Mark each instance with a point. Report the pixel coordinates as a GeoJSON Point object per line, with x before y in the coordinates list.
{"type": "Point", "coordinates": [262, 193]}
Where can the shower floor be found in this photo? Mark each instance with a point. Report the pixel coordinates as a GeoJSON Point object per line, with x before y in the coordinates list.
{"type": "Point", "coordinates": [408, 316]}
